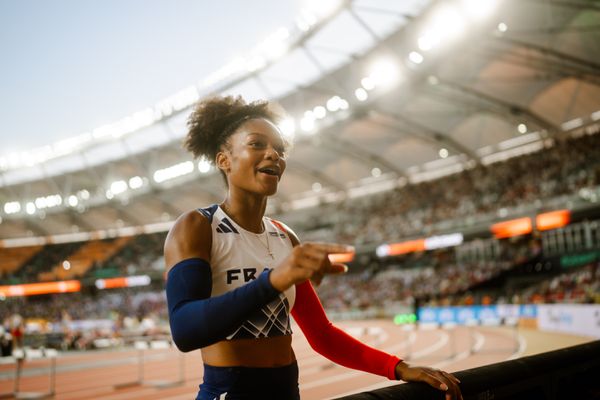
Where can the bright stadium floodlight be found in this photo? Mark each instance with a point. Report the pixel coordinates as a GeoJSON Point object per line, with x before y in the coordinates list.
{"type": "Point", "coordinates": [118, 187]}
{"type": "Point", "coordinates": [288, 128]}
{"type": "Point", "coordinates": [173, 171]}
{"type": "Point", "coordinates": [334, 104]}
{"type": "Point", "coordinates": [53, 200]}
{"type": "Point", "coordinates": [307, 123]}
{"type": "Point", "coordinates": [479, 9]}
{"type": "Point", "coordinates": [427, 41]}
{"type": "Point", "coordinates": [384, 72]}
{"type": "Point", "coordinates": [415, 57]}
{"type": "Point", "coordinates": [447, 23]}
{"type": "Point", "coordinates": [319, 112]}
{"type": "Point", "coordinates": [30, 208]}
{"type": "Point", "coordinates": [522, 128]}
{"type": "Point", "coordinates": [83, 194]}
{"type": "Point", "coordinates": [136, 182]}
{"type": "Point", "coordinates": [361, 94]}
{"type": "Point", "coordinates": [367, 83]}
{"type": "Point", "coordinates": [40, 202]}
{"type": "Point", "coordinates": [12, 207]}
{"type": "Point", "coordinates": [203, 166]}
{"type": "Point", "coordinates": [73, 201]}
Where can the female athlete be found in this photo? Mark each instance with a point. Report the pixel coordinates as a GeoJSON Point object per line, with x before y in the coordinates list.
{"type": "Point", "coordinates": [235, 276]}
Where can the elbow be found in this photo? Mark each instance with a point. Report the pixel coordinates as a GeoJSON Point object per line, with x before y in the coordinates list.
{"type": "Point", "coordinates": [184, 337]}
{"type": "Point", "coordinates": [184, 343]}
{"type": "Point", "coordinates": [184, 347]}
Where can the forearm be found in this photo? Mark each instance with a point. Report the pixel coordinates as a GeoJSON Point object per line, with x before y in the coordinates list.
{"type": "Point", "coordinates": [334, 343]}
{"type": "Point", "coordinates": [196, 319]}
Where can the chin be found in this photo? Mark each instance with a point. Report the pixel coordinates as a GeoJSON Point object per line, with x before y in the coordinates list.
{"type": "Point", "coordinates": [270, 192]}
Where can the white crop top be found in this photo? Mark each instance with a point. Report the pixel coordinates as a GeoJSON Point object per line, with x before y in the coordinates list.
{"type": "Point", "coordinates": [239, 256]}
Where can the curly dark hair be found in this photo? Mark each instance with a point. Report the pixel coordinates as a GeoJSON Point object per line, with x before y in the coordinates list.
{"type": "Point", "coordinates": [215, 119]}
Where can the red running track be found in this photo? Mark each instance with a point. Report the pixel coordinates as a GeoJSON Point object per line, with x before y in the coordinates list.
{"type": "Point", "coordinates": [94, 375]}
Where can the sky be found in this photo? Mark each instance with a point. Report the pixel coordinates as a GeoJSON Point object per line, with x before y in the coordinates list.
{"type": "Point", "coordinates": [69, 66]}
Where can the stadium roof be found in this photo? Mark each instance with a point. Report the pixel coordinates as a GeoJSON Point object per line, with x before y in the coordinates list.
{"type": "Point", "coordinates": [379, 93]}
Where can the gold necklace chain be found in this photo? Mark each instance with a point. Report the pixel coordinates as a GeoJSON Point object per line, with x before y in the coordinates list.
{"type": "Point", "coordinates": [267, 246]}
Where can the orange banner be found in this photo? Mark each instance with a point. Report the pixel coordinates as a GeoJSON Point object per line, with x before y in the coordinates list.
{"type": "Point", "coordinates": [112, 283]}
{"type": "Point", "coordinates": [31, 289]}
{"type": "Point", "coordinates": [411, 246]}
{"type": "Point", "coordinates": [513, 227]}
{"type": "Point", "coordinates": [552, 220]}
{"type": "Point", "coordinates": [123, 281]}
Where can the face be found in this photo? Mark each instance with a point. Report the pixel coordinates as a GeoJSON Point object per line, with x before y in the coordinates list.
{"type": "Point", "coordinates": [254, 158]}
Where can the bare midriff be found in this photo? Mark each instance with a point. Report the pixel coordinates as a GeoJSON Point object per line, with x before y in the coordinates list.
{"type": "Point", "coordinates": [262, 353]}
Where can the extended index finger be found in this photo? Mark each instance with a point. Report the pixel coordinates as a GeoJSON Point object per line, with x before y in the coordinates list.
{"type": "Point", "coordinates": [331, 248]}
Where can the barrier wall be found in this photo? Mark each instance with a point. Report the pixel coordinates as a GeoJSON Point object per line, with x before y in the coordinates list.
{"type": "Point", "coordinates": [570, 373]}
{"type": "Point", "coordinates": [576, 319]}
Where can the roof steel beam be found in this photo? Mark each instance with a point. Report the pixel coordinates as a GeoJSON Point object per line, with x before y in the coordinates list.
{"type": "Point", "coordinates": [508, 107]}
{"type": "Point", "coordinates": [302, 169]}
{"type": "Point", "coordinates": [418, 130]}
{"type": "Point", "coordinates": [348, 148]}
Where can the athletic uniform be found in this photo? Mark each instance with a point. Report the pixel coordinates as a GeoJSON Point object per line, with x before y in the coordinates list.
{"type": "Point", "coordinates": [237, 257]}
{"type": "Point", "coordinates": [232, 298]}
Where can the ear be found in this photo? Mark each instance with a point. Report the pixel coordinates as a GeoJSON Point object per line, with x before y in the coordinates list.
{"type": "Point", "coordinates": [222, 161]}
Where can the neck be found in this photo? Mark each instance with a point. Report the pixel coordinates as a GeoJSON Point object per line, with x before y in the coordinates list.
{"type": "Point", "coordinates": [247, 210]}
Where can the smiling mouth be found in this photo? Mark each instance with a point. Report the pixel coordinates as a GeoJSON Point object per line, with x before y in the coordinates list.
{"type": "Point", "coordinates": [269, 171]}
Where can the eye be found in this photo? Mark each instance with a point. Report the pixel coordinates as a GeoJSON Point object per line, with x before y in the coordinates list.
{"type": "Point", "coordinates": [257, 144]}
{"type": "Point", "coordinates": [280, 150]}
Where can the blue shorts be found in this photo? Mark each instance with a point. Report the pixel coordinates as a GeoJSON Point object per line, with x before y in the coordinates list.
{"type": "Point", "coordinates": [233, 383]}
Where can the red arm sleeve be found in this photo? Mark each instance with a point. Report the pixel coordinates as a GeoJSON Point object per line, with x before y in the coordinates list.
{"type": "Point", "coordinates": [332, 342]}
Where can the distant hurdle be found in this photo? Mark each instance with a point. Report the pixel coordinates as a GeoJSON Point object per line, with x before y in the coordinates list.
{"type": "Point", "coordinates": [19, 357]}
{"type": "Point", "coordinates": [152, 348]}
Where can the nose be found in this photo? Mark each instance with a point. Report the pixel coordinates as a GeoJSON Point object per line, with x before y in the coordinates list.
{"type": "Point", "coordinates": [272, 154]}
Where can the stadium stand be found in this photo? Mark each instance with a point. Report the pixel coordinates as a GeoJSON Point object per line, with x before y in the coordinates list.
{"type": "Point", "coordinates": [14, 258]}
{"type": "Point", "coordinates": [464, 198]}
{"type": "Point", "coordinates": [84, 258]}
{"type": "Point", "coordinates": [142, 254]}
{"type": "Point", "coordinates": [45, 259]}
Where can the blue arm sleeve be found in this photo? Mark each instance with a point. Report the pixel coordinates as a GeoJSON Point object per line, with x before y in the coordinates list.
{"type": "Point", "coordinates": [196, 319]}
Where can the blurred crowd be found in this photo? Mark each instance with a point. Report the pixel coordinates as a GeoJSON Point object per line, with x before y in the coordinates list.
{"type": "Point", "coordinates": [429, 278]}
{"type": "Point", "coordinates": [412, 210]}
{"type": "Point", "coordinates": [579, 286]}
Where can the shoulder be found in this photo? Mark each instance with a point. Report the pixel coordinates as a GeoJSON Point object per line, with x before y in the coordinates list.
{"type": "Point", "coordinates": [189, 237]}
{"type": "Point", "coordinates": [293, 237]}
